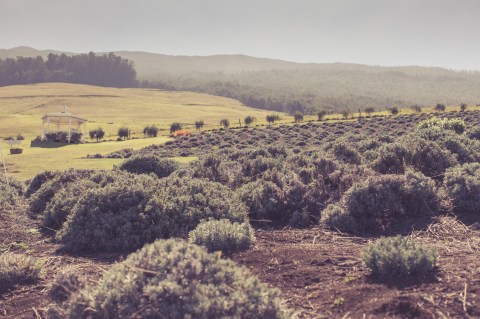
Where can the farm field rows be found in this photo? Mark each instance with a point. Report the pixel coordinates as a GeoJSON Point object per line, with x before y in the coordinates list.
{"type": "Point", "coordinates": [305, 207]}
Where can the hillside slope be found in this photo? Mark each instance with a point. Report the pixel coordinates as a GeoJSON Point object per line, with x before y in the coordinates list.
{"type": "Point", "coordinates": [290, 87]}
{"type": "Point", "coordinates": [22, 106]}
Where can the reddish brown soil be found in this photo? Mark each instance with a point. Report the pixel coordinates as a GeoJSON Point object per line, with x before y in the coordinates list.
{"type": "Point", "coordinates": [319, 273]}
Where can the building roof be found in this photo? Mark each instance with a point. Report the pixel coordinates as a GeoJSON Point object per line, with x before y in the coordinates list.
{"type": "Point", "coordinates": [64, 117]}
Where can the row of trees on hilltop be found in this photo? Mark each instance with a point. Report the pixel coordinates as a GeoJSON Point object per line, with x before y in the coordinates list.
{"type": "Point", "coordinates": [101, 70]}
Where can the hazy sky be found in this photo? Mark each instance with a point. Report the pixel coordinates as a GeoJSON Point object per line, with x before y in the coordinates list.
{"type": "Point", "coordinates": [442, 33]}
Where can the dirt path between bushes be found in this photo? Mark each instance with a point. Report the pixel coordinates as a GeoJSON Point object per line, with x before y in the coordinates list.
{"type": "Point", "coordinates": [319, 273]}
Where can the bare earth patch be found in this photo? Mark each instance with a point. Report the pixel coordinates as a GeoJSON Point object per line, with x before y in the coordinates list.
{"type": "Point", "coordinates": [319, 272]}
{"type": "Point", "coordinates": [321, 275]}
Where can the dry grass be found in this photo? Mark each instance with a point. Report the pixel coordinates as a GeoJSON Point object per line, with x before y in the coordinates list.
{"type": "Point", "coordinates": [37, 159]}
{"type": "Point", "coordinates": [22, 106]}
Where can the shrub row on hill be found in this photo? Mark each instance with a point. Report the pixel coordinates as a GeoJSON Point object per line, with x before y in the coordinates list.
{"type": "Point", "coordinates": [381, 202]}
{"type": "Point", "coordinates": [41, 198]}
{"type": "Point", "coordinates": [172, 279]}
{"type": "Point", "coordinates": [276, 186]}
{"type": "Point", "coordinates": [11, 191]}
{"type": "Point", "coordinates": [111, 211]}
{"type": "Point", "coordinates": [299, 137]}
{"type": "Point", "coordinates": [463, 186]}
{"type": "Point", "coordinates": [149, 163]}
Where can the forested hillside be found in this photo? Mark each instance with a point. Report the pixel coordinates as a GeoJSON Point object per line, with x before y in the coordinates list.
{"type": "Point", "coordinates": [334, 87]}
{"type": "Point", "coordinates": [102, 70]}
{"type": "Point", "coordinates": [266, 83]}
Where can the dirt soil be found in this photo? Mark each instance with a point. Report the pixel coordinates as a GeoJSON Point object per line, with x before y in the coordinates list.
{"type": "Point", "coordinates": [319, 272]}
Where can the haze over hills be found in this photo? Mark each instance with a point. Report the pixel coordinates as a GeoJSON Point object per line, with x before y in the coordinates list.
{"type": "Point", "coordinates": [150, 64]}
{"type": "Point", "coordinates": [288, 86]}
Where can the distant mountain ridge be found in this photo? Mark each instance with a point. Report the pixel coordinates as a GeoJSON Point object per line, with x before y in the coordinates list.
{"type": "Point", "coordinates": [150, 64]}
{"type": "Point", "coordinates": [296, 87]}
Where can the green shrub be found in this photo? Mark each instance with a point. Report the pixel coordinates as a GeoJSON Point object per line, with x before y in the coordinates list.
{"type": "Point", "coordinates": [17, 269]}
{"type": "Point", "coordinates": [123, 133]}
{"type": "Point", "coordinates": [10, 193]}
{"type": "Point", "coordinates": [337, 218]}
{"type": "Point", "coordinates": [283, 196]}
{"type": "Point", "coordinates": [103, 178]}
{"type": "Point", "coordinates": [416, 108]}
{"type": "Point", "coordinates": [255, 167]}
{"type": "Point", "coordinates": [199, 125]}
{"type": "Point", "coordinates": [341, 179]}
{"type": "Point", "coordinates": [125, 215]}
{"type": "Point", "coordinates": [149, 163]}
{"type": "Point", "coordinates": [381, 202]}
{"type": "Point", "coordinates": [186, 202]}
{"type": "Point", "coordinates": [303, 200]}
{"type": "Point", "coordinates": [440, 107]}
{"type": "Point", "coordinates": [298, 117]}
{"type": "Point", "coordinates": [456, 125]}
{"type": "Point", "coordinates": [346, 153]}
{"type": "Point", "coordinates": [321, 115]}
{"type": "Point", "coordinates": [211, 168]}
{"type": "Point", "coordinates": [37, 182]}
{"type": "Point", "coordinates": [41, 198]}
{"type": "Point", "coordinates": [249, 120]}
{"type": "Point", "coordinates": [474, 133]}
{"type": "Point", "coordinates": [428, 157]}
{"type": "Point", "coordinates": [63, 202]}
{"type": "Point", "coordinates": [465, 149]}
{"type": "Point", "coordinates": [97, 134]}
{"type": "Point", "coordinates": [174, 280]}
{"type": "Point", "coordinates": [150, 131]}
{"type": "Point", "coordinates": [225, 123]}
{"type": "Point", "coordinates": [272, 118]}
{"type": "Point", "coordinates": [425, 156]}
{"type": "Point", "coordinates": [398, 257]}
{"type": "Point", "coordinates": [64, 285]}
{"type": "Point", "coordinates": [15, 184]}
{"type": "Point", "coordinates": [223, 235]}
{"type": "Point", "coordinates": [264, 199]}
{"type": "Point", "coordinates": [111, 218]}
{"type": "Point", "coordinates": [463, 186]}
{"type": "Point", "coordinates": [175, 127]}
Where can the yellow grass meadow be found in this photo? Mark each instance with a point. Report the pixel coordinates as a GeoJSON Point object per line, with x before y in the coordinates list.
{"type": "Point", "coordinates": [22, 106]}
{"type": "Point", "coordinates": [21, 109]}
{"type": "Point", "coordinates": [37, 159]}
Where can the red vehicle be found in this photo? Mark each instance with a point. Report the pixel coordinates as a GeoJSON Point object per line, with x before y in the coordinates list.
{"type": "Point", "coordinates": [181, 133]}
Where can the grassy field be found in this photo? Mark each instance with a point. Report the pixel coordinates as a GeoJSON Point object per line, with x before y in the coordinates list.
{"type": "Point", "coordinates": [37, 159]}
{"type": "Point", "coordinates": [22, 106]}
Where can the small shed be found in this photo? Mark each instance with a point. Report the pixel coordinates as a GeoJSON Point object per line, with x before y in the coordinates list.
{"type": "Point", "coordinates": [64, 127]}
